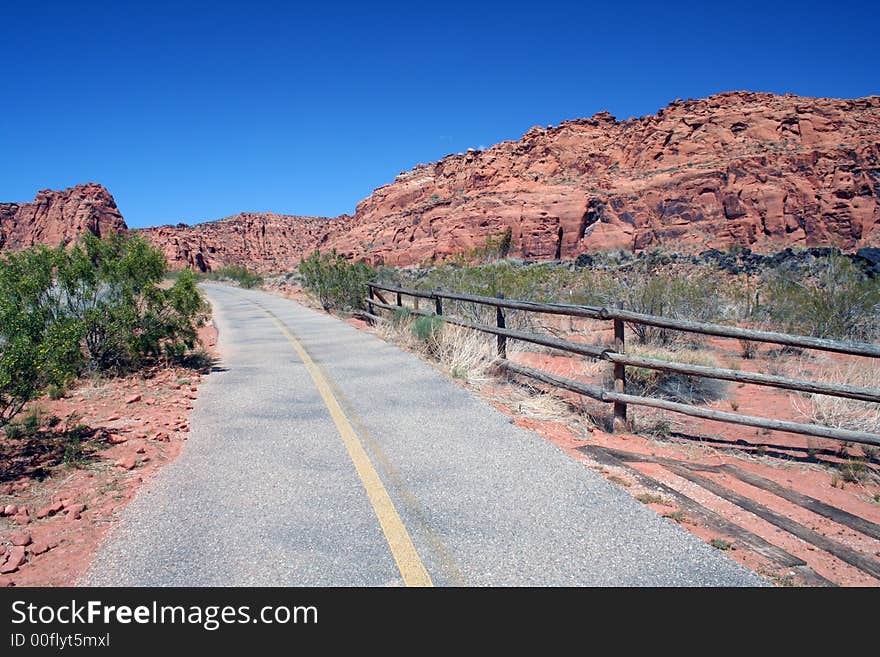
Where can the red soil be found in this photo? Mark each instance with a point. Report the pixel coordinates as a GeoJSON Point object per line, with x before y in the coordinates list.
{"type": "Point", "coordinates": [141, 424]}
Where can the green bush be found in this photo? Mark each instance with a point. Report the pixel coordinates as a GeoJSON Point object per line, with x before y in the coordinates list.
{"type": "Point", "coordinates": [426, 328]}
{"type": "Point", "coordinates": [334, 281]}
{"type": "Point", "coordinates": [831, 299]}
{"type": "Point", "coordinates": [110, 288]}
{"type": "Point", "coordinates": [241, 275]}
{"type": "Point", "coordinates": [97, 306]}
{"type": "Point", "coordinates": [39, 346]}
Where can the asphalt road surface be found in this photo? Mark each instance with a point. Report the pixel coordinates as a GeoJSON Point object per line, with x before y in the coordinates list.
{"type": "Point", "coordinates": [322, 456]}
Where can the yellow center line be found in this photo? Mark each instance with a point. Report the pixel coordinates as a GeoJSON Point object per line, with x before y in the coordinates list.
{"type": "Point", "coordinates": [399, 541]}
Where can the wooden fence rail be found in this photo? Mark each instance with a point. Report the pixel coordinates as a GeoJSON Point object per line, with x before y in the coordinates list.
{"type": "Point", "coordinates": [620, 359]}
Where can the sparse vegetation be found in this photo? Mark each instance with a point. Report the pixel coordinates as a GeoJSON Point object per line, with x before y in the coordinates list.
{"type": "Point", "coordinates": [854, 471]}
{"type": "Point", "coordinates": [831, 299]}
{"type": "Point", "coordinates": [651, 290]}
{"type": "Point", "coordinates": [650, 498]}
{"type": "Point", "coordinates": [464, 353]}
{"type": "Point", "coordinates": [656, 427]}
{"type": "Point", "coordinates": [839, 412]}
{"type": "Point", "coordinates": [721, 544]}
{"type": "Point", "coordinates": [678, 516]}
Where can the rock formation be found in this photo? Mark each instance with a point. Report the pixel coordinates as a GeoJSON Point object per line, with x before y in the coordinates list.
{"type": "Point", "coordinates": [59, 217]}
{"type": "Point", "coordinates": [262, 242]}
{"type": "Point", "coordinates": [753, 169]}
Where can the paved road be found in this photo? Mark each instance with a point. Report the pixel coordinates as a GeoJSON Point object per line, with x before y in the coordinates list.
{"type": "Point", "coordinates": [270, 491]}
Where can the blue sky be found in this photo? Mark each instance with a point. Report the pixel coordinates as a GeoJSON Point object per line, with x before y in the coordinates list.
{"type": "Point", "coordinates": [193, 111]}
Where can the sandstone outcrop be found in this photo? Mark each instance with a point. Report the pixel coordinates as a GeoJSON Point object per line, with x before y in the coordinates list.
{"type": "Point", "coordinates": [57, 218]}
{"type": "Point", "coordinates": [754, 169]}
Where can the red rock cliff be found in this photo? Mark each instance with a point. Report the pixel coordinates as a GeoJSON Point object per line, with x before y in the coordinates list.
{"type": "Point", "coordinates": [754, 169]}
{"type": "Point", "coordinates": [59, 217]}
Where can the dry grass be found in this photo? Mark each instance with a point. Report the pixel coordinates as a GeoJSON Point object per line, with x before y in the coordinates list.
{"type": "Point", "coordinates": [672, 385]}
{"type": "Point", "coordinates": [838, 412]}
{"type": "Point", "coordinates": [465, 354]}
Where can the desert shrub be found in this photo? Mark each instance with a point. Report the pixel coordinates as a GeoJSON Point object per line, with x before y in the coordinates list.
{"type": "Point", "coordinates": [832, 298]}
{"type": "Point", "coordinates": [111, 289]}
{"type": "Point", "coordinates": [426, 328]}
{"type": "Point", "coordinates": [38, 345]}
{"type": "Point", "coordinates": [96, 306]}
{"type": "Point", "coordinates": [674, 385]}
{"type": "Point", "coordinates": [401, 316]}
{"type": "Point", "coordinates": [655, 292]}
{"type": "Point", "coordinates": [238, 274]}
{"type": "Point", "coordinates": [334, 281]}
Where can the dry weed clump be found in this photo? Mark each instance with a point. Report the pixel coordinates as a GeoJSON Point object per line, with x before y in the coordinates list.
{"type": "Point", "coordinates": [467, 355]}
{"type": "Point", "coordinates": [673, 385]}
{"type": "Point", "coordinates": [839, 412]}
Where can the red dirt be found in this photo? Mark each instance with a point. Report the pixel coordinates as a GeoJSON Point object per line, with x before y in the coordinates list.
{"type": "Point", "coordinates": [145, 434]}
{"type": "Point", "coordinates": [781, 457]}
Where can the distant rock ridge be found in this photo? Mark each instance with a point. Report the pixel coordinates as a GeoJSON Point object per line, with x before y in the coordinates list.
{"type": "Point", "coordinates": [264, 242]}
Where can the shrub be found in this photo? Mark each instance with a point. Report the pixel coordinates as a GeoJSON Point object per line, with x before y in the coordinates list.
{"type": "Point", "coordinates": [241, 275]}
{"type": "Point", "coordinates": [96, 306]}
{"type": "Point", "coordinates": [334, 281]}
{"type": "Point", "coordinates": [674, 386]}
{"type": "Point", "coordinates": [650, 291]}
{"type": "Point", "coordinates": [38, 345]}
{"type": "Point", "coordinates": [831, 299]}
{"type": "Point", "coordinates": [110, 288]}
{"type": "Point", "coordinates": [426, 328]}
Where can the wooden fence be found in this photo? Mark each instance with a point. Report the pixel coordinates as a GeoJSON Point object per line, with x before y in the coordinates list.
{"type": "Point", "coordinates": [620, 359]}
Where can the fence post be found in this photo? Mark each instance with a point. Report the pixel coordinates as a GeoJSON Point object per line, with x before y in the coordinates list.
{"type": "Point", "coordinates": [370, 302]}
{"type": "Point", "coordinates": [399, 299]}
{"type": "Point", "coordinates": [499, 320]}
{"type": "Point", "coordinates": [438, 305]}
{"type": "Point", "coordinates": [619, 422]}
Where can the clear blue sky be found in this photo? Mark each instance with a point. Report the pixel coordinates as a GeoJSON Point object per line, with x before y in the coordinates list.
{"type": "Point", "coordinates": [194, 111]}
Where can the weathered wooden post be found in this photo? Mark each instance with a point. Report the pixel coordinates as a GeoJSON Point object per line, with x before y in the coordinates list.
{"type": "Point", "coordinates": [438, 305]}
{"type": "Point", "coordinates": [399, 299]}
{"type": "Point", "coordinates": [502, 339]}
{"type": "Point", "coordinates": [619, 422]}
{"type": "Point", "coordinates": [370, 295]}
